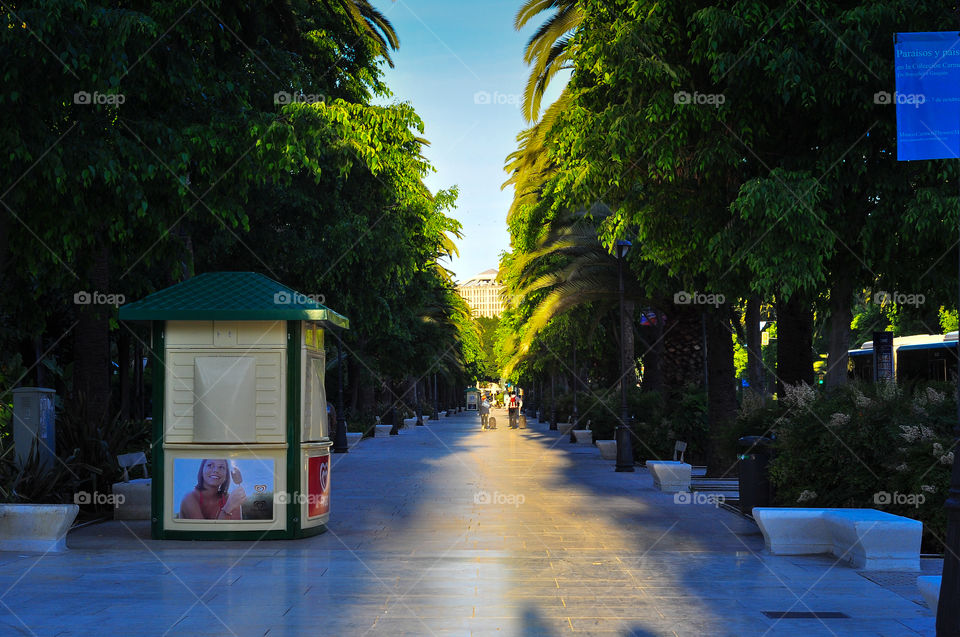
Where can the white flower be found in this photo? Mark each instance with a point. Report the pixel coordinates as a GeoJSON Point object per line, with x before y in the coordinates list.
{"type": "Point", "coordinates": [934, 397]}
{"type": "Point", "coordinates": [926, 433]}
{"type": "Point", "coordinates": [860, 399]}
{"type": "Point", "coordinates": [799, 395]}
{"type": "Point", "coordinates": [910, 433]}
{"type": "Point", "coordinates": [928, 488]}
{"type": "Point", "coordinates": [888, 390]}
{"type": "Point", "coordinates": [806, 496]}
{"type": "Point", "coordinates": [947, 458]}
{"type": "Point", "coordinates": [937, 449]}
{"type": "Point", "coordinates": [902, 467]}
{"type": "Point", "coordinates": [839, 420]}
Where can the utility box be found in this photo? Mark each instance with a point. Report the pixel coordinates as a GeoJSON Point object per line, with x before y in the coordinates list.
{"type": "Point", "coordinates": [34, 424]}
{"type": "Point", "coordinates": [240, 406]}
{"type": "Point", "coordinates": [473, 398]}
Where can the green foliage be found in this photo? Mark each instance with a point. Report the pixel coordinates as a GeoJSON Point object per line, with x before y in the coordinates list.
{"type": "Point", "coordinates": [948, 320]}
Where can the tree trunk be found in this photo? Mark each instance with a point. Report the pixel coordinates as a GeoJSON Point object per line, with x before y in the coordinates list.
{"type": "Point", "coordinates": [92, 350]}
{"type": "Point", "coordinates": [841, 315]}
{"type": "Point", "coordinates": [682, 360]}
{"type": "Point", "coordinates": [138, 390]}
{"type": "Point", "coordinates": [123, 360]}
{"type": "Point", "coordinates": [721, 393]}
{"type": "Point", "coordinates": [794, 341]}
{"type": "Point", "coordinates": [754, 347]}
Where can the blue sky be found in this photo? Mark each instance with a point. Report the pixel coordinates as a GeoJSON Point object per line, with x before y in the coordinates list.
{"type": "Point", "coordinates": [460, 64]}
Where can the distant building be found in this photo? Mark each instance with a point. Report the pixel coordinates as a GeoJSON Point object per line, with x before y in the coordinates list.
{"type": "Point", "coordinates": [483, 294]}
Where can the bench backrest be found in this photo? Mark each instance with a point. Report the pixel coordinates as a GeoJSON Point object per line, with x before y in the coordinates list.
{"type": "Point", "coordinates": [128, 460]}
{"type": "Point", "coordinates": [678, 450]}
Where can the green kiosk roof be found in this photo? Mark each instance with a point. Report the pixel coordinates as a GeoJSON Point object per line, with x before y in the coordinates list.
{"type": "Point", "coordinates": [230, 296]}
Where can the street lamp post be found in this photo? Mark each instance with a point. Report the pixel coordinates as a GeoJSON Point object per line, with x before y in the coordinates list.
{"type": "Point", "coordinates": [576, 412]}
{"type": "Point", "coordinates": [624, 444]}
{"type": "Point", "coordinates": [436, 408]}
{"type": "Point", "coordinates": [553, 400]}
{"type": "Point", "coordinates": [340, 437]}
{"type": "Point", "coordinates": [416, 400]}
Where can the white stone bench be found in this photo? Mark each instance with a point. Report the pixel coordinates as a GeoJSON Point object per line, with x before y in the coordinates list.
{"type": "Point", "coordinates": [583, 436]}
{"type": "Point", "coordinates": [353, 439]}
{"type": "Point", "coordinates": [382, 431]}
{"type": "Point", "coordinates": [608, 449]}
{"type": "Point", "coordinates": [866, 538]}
{"type": "Point", "coordinates": [929, 586]}
{"type": "Point", "coordinates": [40, 528]}
{"type": "Point", "coordinates": [670, 476]}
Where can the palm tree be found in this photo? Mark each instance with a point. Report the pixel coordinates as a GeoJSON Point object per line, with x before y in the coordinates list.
{"type": "Point", "coordinates": [365, 19]}
{"type": "Point", "coordinates": [570, 268]}
{"type": "Point", "coordinates": [549, 49]}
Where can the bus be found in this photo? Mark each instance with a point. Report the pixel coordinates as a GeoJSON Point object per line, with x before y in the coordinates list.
{"type": "Point", "coordinates": [917, 357]}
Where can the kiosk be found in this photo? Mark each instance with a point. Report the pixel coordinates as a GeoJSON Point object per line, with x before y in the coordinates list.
{"type": "Point", "coordinates": [473, 398]}
{"type": "Point", "coordinates": [239, 407]}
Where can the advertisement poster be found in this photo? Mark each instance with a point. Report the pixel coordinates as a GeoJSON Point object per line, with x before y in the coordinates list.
{"type": "Point", "coordinates": [927, 95]}
{"type": "Point", "coordinates": [224, 490]}
{"type": "Point", "coordinates": [318, 485]}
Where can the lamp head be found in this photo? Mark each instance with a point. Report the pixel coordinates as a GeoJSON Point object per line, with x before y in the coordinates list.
{"type": "Point", "coordinates": [623, 246]}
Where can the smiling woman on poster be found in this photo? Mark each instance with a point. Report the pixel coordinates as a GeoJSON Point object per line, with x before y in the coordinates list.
{"type": "Point", "coordinates": [212, 499]}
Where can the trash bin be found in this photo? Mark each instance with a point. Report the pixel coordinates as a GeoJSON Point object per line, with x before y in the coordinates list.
{"type": "Point", "coordinates": [754, 477]}
{"type": "Point", "coordinates": [34, 425]}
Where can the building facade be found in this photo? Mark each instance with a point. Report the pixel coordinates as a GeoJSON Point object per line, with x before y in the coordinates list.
{"type": "Point", "coordinates": [483, 293]}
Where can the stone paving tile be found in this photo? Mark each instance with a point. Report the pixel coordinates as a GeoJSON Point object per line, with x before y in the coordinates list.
{"type": "Point", "coordinates": [449, 530]}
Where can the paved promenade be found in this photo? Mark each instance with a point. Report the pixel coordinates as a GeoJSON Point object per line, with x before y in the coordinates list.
{"type": "Point", "coordinates": [450, 530]}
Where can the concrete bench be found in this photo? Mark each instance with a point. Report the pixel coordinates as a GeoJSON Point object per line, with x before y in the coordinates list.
{"type": "Point", "coordinates": [382, 430]}
{"type": "Point", "coordinates": [670, 476]}
{"type": "Point", "coordinates": [608, 449]}
{"type": "Point", "coordinates": [583, 436]}
{"type": "Point", "coordinates": [866, 538]}
{"type": "Point", "coordinates": [929, 586]}
{"type": "Point", "coordinates": [353, 439]}
{"type": "Point", "coordinates": [564, 428]}
{"type": "Point", "coordinates": [40, 528]}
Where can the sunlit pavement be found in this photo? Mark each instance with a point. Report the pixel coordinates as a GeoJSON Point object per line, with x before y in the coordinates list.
{"type": "Point", "coordinates": [450, 530]}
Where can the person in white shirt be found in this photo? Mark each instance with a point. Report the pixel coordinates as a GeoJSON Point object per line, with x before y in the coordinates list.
{"type": "Point", "coordinates": [484, 413]}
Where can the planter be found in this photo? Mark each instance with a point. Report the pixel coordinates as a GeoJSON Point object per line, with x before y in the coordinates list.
{"type": "Point", "coordinates": [583, 436]}
{"type": "Point", "coordinates": [564, 428]}
{"type": "Point", "coordinates": [383, 430]}
{"type": "Point", "coordinates": [40, 528]}
{"type": "Point", "coordinates": [608, 449]}
{"type": "Point", "coordinates": [353, 439]}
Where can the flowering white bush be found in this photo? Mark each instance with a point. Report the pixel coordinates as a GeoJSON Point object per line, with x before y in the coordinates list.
{"type": "Point", "coordinates": [800, 395]}
{"type": "Point", "coordinates": [910, 433]}
{"type": "Point", "coordinates": [888, 390]}
{"type": "Point", "coordinates": [807, 496]}
{"type": "Point", "coordinates": [838, 420]}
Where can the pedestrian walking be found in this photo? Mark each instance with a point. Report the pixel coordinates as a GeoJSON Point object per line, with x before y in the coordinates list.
{"type": "Point", "coordinates": [484, 413]}
{"type": "Point", "coordinates": [514, 410]}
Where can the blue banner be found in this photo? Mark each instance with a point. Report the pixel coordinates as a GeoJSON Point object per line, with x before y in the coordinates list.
{"type": "Point", "coordinates": [927, 98]}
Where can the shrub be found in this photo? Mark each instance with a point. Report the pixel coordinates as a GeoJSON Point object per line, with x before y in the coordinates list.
{"type": "Point", "coordinates": [879, 446]}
